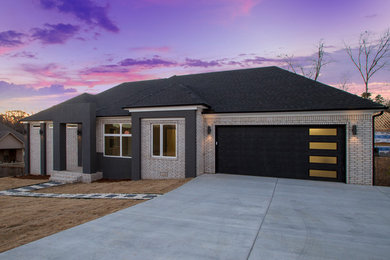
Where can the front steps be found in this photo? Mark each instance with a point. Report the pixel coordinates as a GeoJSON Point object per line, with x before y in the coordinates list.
{"type": "Point", "coordinates": [73, 177]}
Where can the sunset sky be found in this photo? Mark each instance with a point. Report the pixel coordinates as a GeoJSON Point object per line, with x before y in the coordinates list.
{"type": "Point", "coordinates": [52, 50]}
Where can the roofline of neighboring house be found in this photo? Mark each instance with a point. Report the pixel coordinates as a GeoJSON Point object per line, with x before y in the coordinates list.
{"type": "Point", "coordinates": [10, 133]}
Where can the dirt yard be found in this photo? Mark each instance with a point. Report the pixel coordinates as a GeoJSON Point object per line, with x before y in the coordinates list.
{"type": "Point", "coordinates": [382, 171]}
{"type": "Point", "coordinates": [15, 182]}
{"type": "Point", "coordinates": [23, 220]}
{"type": "Point", "coordinates": [106, 186]}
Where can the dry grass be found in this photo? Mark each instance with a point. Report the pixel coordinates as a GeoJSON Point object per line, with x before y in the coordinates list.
{"type": "Point", "coordinates": [23, 220]}
{"type": "Point", "coordinates": [141, 186]}
{"type": "Point", "coordinates": [15, 182]}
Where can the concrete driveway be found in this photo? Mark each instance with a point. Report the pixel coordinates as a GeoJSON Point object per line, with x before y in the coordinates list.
{"type": "Point", "coordinates": [234, 217]}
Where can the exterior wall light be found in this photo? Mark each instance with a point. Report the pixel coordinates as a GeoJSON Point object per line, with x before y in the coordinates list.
{"type": "Point", "coordinates": [79, 132]}
{"type": "Point", "coordinates": [354, 130]}
{"type": "Point", "coordinates": [40, 131]}
{"type": "Point", "coordinates": [208, 130]}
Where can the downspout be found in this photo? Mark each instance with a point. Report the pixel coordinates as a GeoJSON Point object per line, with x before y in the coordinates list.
{"type": "Point", "coordinates": [373, 145]}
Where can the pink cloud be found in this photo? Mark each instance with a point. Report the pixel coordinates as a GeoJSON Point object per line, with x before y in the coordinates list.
{"type": "Point", "coordinates": [244, 7]}
{"type": "Point", "coordinates": [47, 70]}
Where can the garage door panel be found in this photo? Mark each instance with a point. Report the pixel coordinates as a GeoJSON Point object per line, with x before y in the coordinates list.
{"type": "Point", "coordinates": [281, 151]}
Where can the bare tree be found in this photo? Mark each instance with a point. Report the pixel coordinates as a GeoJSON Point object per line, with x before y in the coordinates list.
{"type": "Point", "coordinates": [371, 56]}
{"type": "Point", "coordinates": [319, 61]}
{"type": "Point", "coordinates": [344, 84]}
{"type": "Point", "coordinates": [314, 69]}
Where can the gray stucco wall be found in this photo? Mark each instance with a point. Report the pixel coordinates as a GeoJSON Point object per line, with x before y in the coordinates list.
{"type": "Point", "coordinates": [85, 114]}
{"type": "Point", "coordinates": [114, 168]}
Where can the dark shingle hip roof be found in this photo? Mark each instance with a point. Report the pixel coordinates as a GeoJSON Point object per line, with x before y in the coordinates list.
{"type": "Point", "coordinates": [264, 89]}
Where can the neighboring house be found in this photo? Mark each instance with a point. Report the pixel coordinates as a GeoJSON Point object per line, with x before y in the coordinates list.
{"type": "Point", "coordinates": [263, 121]}
{"type": "Point", "coordinates": [382, 134]}
{"type": "Point", "coordinates": [11, 145]}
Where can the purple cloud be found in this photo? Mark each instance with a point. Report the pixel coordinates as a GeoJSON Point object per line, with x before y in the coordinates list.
{"type": "Point", "coordinates": [370, 16]}
{"type": "Point", "coordinates": [85, 10]}
{"type": "Point", "coordinates": [23, 54]}
{"type": "Point", "coordinates": [260, 60]}
{"type": "Point", "coordinates": [105, 69]}
{"type": "Point", "coordinates": [154, 62]}
{"type": "Point", "coordinates": [39, 69]}
{"type": "Point", "coordinates": [9, 90]}
{"type": "Point", "coordinates": [55, 33]}
{"type": "Point", "coordinates": [151, 49]}
{"type": "Point", "coordinates": [11, 38]}
{"type": "Point", "coordinates": [199, 63]}
{"type": "Point", "coordinates": [123, 65]}
{"type": "Point", "coordinates": [55, 89]}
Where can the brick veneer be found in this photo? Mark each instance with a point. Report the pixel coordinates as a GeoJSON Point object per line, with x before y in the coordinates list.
{"type": "Point", "coordinates": [49, 149]}
{"type": "Point", "coordinates": [35, 150]}
{"type": "Point", "coordinates": [358, 148]}
{"type": "Point", "coordinates": [162, 168]}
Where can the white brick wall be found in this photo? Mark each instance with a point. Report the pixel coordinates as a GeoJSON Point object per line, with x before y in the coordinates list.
{"type": "Point", "coordinates": [199, 143]}
{"type": "Point", "coordinates": [162, 168]}
{"type": "Point", "coordinates": [49, 149]}
{"type": "Point", "coordinates": [358, 148]}
{"type": "Point", "coordinates": [35, 150]}
{"type": "Point", "coordinates": [72, 150]}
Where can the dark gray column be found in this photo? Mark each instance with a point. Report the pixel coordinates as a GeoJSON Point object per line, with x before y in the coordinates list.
{"type": "Point", "coordinates": [42, 133]}
{"type": "Point", "coordinates": [85, 114]}
{"type": "Point", "coordinates": [79, 144]}
{"type": "Point", "coordinates": [89, 144]}
{"type": "Point", "coordinates": [27, 149]}
{"type": "Point", "coordinates": [59, 146]}
{"type": "Point", "coordinates": [190, 147]}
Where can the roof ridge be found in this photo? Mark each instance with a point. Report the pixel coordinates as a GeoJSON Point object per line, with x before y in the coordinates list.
{"type": "Point", "coordinates": [150, 95]}
{"type": "Point", "coordinates": [193, 92]}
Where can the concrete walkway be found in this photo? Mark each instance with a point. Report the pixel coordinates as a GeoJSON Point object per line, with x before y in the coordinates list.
{"type": "Point", "coordinates": [234, 217]}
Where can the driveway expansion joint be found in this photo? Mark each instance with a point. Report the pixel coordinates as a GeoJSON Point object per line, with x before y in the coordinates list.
{"type": "Point", "coordinates": [26, 191]}
{"type": "Point", "coordinates": [262, 220]}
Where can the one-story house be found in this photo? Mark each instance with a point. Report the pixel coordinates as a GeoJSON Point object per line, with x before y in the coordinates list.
{"type": "Point", "coordinates": [261, 121]}
{"type": "Point", "coordinates": [11, 145]}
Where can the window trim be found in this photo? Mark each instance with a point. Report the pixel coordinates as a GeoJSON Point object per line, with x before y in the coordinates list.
{"type": "Point", "coordinates": [120, 135]}
{"type": "Point", "coordinates": [161, 156]}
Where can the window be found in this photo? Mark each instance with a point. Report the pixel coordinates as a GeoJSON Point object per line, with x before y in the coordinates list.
{"type": "Point", "coordinates": [117, 140]}
{"type": "Point", "coordinates": [164, 140]}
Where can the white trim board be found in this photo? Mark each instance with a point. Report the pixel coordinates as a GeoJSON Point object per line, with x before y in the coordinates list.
{"type": "Point", "coordinates": [164, 108]}
{"type": "Point", "coordinates": [283, 114]}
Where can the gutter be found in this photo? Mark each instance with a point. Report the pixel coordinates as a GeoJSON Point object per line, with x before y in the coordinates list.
{"type": "Point", "coordinates": [373, 145]}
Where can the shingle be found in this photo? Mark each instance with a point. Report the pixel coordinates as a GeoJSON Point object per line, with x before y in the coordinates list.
{"type": "Point", "coordinates": [264, 89]}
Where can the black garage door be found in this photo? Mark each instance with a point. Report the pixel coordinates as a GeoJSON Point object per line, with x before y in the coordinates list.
{"type": "Point", "coordinates": [303, 152]}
